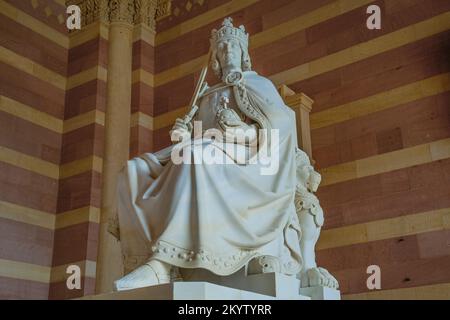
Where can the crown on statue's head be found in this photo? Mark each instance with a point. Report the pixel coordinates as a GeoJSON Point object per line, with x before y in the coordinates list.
{"type": "Point", "coordinates": [228, 31]}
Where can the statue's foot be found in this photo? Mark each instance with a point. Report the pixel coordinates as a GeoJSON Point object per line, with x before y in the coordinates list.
{"type": "Point", "coordinates": [317, 276]}
{"type": "Point", "coordinates": [151, 273]}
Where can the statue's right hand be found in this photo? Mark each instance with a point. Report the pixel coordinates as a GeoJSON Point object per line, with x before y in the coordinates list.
{"type": "Point", "coordinates": [181, 125]}
{"type": "Point", "coordinates": [180, 129]}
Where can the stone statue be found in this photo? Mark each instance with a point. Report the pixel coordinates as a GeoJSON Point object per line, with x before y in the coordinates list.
{"type": "Point", "coordinates": [223, 217]}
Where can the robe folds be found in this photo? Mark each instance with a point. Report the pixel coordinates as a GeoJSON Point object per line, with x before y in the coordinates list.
{"type": "Point", "coordinates": [215, 216]}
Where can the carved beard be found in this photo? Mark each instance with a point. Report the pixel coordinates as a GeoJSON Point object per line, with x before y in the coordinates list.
{"type": "Point", "coordinates": [231, 62]}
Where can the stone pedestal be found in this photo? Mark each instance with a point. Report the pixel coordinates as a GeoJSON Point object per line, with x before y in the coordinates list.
{"type": "Point", "coordinates": [268, 286]}
{"type": "Point", "coordinates": [321, 293]}
{"type": "Point", "coordinates": [182, 291]}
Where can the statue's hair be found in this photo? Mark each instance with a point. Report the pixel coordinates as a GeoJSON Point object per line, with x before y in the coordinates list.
{"type": "Point", "coordinates": [246, 64]}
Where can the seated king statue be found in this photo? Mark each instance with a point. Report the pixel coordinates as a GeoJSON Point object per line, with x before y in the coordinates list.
{"type": "Point", "coordinates": [177, 216]}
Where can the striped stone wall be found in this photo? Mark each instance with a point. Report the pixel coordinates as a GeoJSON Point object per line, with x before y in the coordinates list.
{"type": "Point", "coordinates": [33, 59]}
{"type": "Point", "coordinates": [52, 115]}
{"type": "Point", "coordinates": [142, 96]}
{"type": "Point", "coordinates": [380, 130]}
{"type": "Point", "coordinates": [79, 195]}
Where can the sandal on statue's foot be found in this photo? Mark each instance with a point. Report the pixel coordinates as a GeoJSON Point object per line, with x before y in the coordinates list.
{"type": "Point", "coordinates": [150, 273]}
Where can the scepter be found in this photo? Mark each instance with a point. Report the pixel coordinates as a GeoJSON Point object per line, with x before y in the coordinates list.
{"type": "Point", "coordinates": [198, 89]}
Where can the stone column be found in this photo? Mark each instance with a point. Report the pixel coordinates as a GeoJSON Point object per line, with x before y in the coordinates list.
{"type": "Point", "coordinates": [117, 135]}
{"type": "Point", "coordinates": [302, 105]}
{"type": "Point", "coordinates": [122, 16]}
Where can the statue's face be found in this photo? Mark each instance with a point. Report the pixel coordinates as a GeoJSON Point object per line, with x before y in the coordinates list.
{"type": "Point", "coordinates": [229, 54]}
{"type": "Point", "coordinates": [314, 179]}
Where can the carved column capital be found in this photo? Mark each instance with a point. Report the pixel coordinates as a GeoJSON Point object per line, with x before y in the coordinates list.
{"type": "Point", "coordinates": [122, 11]}
{"type": "Point", "coordinates": [163, 9]}
{"type": "Point", "coordinates": [146, 13]}
{"type": "Point", "coordinates": [132, 12]}
{"type": "Point", "coordinates": [91, 10]}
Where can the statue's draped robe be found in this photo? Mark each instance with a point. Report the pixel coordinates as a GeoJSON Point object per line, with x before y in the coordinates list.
{"type": "Point", "coordinates": [217, 216]}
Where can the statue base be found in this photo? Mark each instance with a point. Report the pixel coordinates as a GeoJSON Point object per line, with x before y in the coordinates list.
{"type": "Point", "coordinates": [267, 286]}
{"type": "Point", "coordinates": [321, 293]}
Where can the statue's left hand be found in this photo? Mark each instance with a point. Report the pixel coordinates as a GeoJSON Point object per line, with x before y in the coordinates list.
{"type": "Point", "coordinates": [233, 128]}
{"type": "Point", "coordinates": [227, 117]}
{"type": "Point", "coordinates": [233, 123]}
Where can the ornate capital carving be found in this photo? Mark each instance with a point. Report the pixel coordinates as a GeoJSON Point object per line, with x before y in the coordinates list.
{"type": "Point", "coordinates": [122, 11]}
{"type": "Point", "coordinates": [146, 13]}
{"type": "Point", "coordinates": [163, 9]}
{"type": "Point", "coordinates": [91, 10]}
{"type": "Point", "coordinates": [128, 11]}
